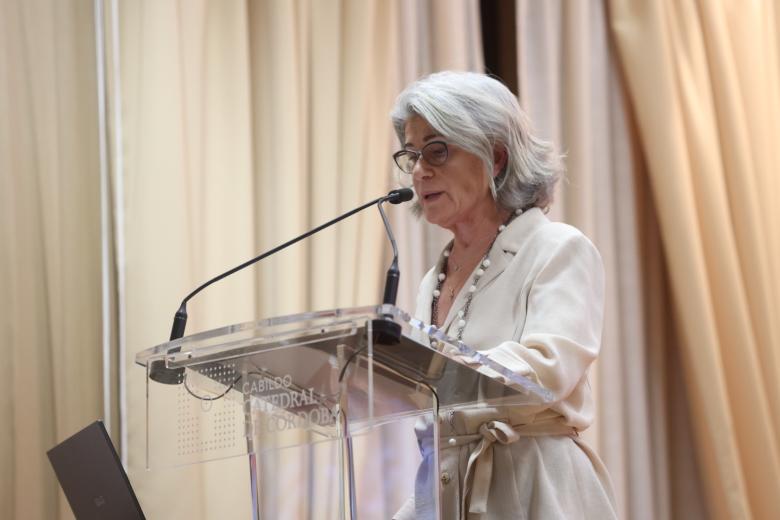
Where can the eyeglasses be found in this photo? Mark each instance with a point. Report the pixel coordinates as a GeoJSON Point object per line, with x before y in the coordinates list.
{"type": "Point", "coordinates": [435, 154]}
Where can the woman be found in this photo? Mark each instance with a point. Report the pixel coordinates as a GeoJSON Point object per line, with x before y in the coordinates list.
{"type": "Point", "coordinates": [526, 291]}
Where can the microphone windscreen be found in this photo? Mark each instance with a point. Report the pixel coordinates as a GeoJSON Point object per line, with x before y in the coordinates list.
{"type": "Point", "coordinates": [400, 195]}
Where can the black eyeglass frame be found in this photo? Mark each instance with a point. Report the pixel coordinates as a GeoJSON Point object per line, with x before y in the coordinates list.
{"type": "Point", "coordinates": [421, 153]}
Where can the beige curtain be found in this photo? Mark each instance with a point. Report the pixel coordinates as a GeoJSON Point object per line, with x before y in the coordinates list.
{"type": "Point", "coordinates": [320, 75]}
{"type": "Point", "coordinates": [50, 264]}
{"type": "Point", "coordinates": [187, 184]}
{"type": "Point", "coordinates": [571, 86]}
{"type": "Point", "coordinates": [704, 81]}
{"type": "Point", "coordinates": [323, 80]}
{"type": "Point", "coordinates": [244, 124]}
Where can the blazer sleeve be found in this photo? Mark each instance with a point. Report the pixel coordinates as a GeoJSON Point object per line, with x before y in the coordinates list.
{"type": "Point", "coordinates": [561, 334]}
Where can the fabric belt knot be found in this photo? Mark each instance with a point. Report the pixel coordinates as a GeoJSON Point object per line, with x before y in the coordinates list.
{"type": "Point", "coordinates": [479, 470]}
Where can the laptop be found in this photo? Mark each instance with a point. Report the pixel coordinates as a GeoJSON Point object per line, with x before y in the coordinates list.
{"type": "Point", "coordinates": [92, 477]}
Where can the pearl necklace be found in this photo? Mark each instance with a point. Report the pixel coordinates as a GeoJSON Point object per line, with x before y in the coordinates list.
{"type": "Point", "coordinates": [483, 265]}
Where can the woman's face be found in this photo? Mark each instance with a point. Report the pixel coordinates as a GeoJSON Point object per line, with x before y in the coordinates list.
{"type": "Point", "coordinates": [453, 193]}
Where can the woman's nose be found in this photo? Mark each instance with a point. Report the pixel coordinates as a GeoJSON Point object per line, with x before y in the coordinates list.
{"type": "Point", "coordinates": [421, 170]}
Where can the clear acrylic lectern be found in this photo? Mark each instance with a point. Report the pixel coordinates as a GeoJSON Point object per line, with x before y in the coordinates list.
{"type": "Point", "coordinates": [305, 393]}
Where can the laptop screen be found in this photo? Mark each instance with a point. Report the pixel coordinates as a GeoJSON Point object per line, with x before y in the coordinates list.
{"type": "Point", "coordinates": [92, 477]}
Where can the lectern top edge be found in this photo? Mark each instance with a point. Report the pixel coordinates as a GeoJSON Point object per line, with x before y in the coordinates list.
{"type": "Point", "coordinates": [278, 331]}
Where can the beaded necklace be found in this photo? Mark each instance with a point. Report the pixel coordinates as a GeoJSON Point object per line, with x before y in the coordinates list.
{"type": "Point", "coordinates": [483, 265]}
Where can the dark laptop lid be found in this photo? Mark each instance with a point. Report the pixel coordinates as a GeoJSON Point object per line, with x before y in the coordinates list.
{"type": "Point", "coordinates": [92, 477]}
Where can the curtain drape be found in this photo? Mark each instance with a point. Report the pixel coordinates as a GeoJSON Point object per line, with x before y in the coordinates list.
{"type": "Point", "coordinates": [188, 210]}
{"type": "Point", "coordinates": [571, 87]}
{"type": "Point", "coordinates": [50, 265]}
{"type": "Point", "coordinates": [322, 76]}
{"type": "Point", "coordinates": [244, 124]}
{"type": "Point", "coordinates": [703, 80]}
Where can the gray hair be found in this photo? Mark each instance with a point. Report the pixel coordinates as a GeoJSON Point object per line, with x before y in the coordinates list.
{"type": "Point", "coordinates": [478, 113]}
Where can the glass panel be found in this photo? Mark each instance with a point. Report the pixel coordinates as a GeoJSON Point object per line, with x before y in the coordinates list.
{"type": "Point", "coordinates": [306, 391]}
{"type": "Point", "coordinates": [303, 481]}
{"type": "Point", "coordinates": [310, 378]}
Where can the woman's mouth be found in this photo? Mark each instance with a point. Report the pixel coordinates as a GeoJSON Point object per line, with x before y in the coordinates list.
{"type": "Point", "coordinates": [430, 197]}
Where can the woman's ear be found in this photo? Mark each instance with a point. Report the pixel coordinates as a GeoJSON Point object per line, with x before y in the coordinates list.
{"type": "Point", "coordinates": [500, 158]}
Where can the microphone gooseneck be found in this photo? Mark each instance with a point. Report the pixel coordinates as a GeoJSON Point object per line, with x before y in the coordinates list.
{"type": "Point", "coordinates": [393, 275]}
{"type": "Point", "coordinates": [162, 374]}
{"type": "Point", "coordinates": [387, 330]}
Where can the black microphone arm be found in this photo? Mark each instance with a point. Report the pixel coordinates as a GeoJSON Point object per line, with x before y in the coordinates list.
{"type": "Point", "coordinates": [394, 197]}
{"type": "Point", "coordinates": [160, 373]}
{"type": "Point", "coordinates": [386, 330]}
{"type": "Point", "coordinates": [393, 275]}
{"type": "Point", "coordinates": [391, 279]}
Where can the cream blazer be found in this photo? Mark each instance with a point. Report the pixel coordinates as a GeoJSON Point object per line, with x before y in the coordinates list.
{"type": "Point", "coordinates": [538, 309]}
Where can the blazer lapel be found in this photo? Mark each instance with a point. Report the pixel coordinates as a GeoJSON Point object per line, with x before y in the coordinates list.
{"type": "Point", "coordinates": [499, 260]}
{"type": "Point", "coordinates": [501, 254]}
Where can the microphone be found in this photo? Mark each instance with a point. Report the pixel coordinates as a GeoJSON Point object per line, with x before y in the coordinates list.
{"type": "Point", "coordinates": [391, 279]}
{"type": "Point", "coordinates": [160, 373]}
{"type": "Point", "coordinates": [387, 331]}
{"type": "Point", "coordinates": [398, 196]}
{"type": "Point", "coordinates": [393, 275]}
